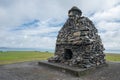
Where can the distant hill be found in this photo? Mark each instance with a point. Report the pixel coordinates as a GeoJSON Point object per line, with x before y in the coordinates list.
{"type": "Point", "coordinates": [3, 47]}
{"type": "Point", "coordinates": [25, 49]}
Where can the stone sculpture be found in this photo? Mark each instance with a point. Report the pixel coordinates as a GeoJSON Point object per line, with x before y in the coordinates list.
{"type": "Point", "coordinates": [78, 43]}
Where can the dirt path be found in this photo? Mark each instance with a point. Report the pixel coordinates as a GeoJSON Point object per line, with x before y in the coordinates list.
{"type": "Point", "coordinates": [32, 71]}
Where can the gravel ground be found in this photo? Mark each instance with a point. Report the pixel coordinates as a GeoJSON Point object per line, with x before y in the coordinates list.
{"type": "Point", "coordinates": [32, 71]}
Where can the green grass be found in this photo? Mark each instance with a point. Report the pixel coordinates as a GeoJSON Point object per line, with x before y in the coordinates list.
{"type": "Point", "coordinates": [21, 56]}
{"type": "Point", "coordinates": [113, 57]}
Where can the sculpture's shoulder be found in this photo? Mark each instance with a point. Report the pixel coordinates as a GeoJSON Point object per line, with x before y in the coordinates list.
{"type": "Point", "coordinates": [66, 25]}
{"type": "Point", "coordinates": [87, 22]}
{"type": "Point", "coordinates": [83, 18]}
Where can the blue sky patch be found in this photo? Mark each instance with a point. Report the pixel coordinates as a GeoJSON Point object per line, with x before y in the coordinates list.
{"type": "Point", "coordinates": [30, 24]}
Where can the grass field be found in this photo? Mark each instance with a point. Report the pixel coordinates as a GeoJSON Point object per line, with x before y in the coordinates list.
{"type": "Point", "coordinates": [112, 57]}
{"type": "Point", "coordinates": [21, 56]}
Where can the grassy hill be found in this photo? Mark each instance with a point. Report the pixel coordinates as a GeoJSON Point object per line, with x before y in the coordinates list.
{"type": "Point", "coordinates": [21, 56]}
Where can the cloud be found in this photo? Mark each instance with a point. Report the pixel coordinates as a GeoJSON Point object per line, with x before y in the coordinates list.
{"type": "Point", "coordinates": [111, 14]}
{"type": "Point", "coordinates": [34, 34]}
{"type": "Point", "coordinates": [35, 23]}
{"type": "Point", "coordinates": [108, 24]}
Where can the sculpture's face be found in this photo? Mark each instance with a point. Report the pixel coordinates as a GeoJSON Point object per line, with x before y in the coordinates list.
{"type": "Point", "coordinates": [73, 14]}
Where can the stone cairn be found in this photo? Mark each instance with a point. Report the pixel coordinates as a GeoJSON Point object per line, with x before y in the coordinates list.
{"type": "Point", "coordinates": [78, 43]}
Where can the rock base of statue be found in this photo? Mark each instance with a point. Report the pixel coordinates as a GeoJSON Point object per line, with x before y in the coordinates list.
{"type": "Point", "coordinates": [75, 71]}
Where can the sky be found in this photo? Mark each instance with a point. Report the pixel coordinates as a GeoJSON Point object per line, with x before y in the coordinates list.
{"type": "Point", "coordinates": [35, 23]}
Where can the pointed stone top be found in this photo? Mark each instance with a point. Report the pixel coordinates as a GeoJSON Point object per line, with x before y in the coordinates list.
{"type": "Point", "coordinates": [74, 8]}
